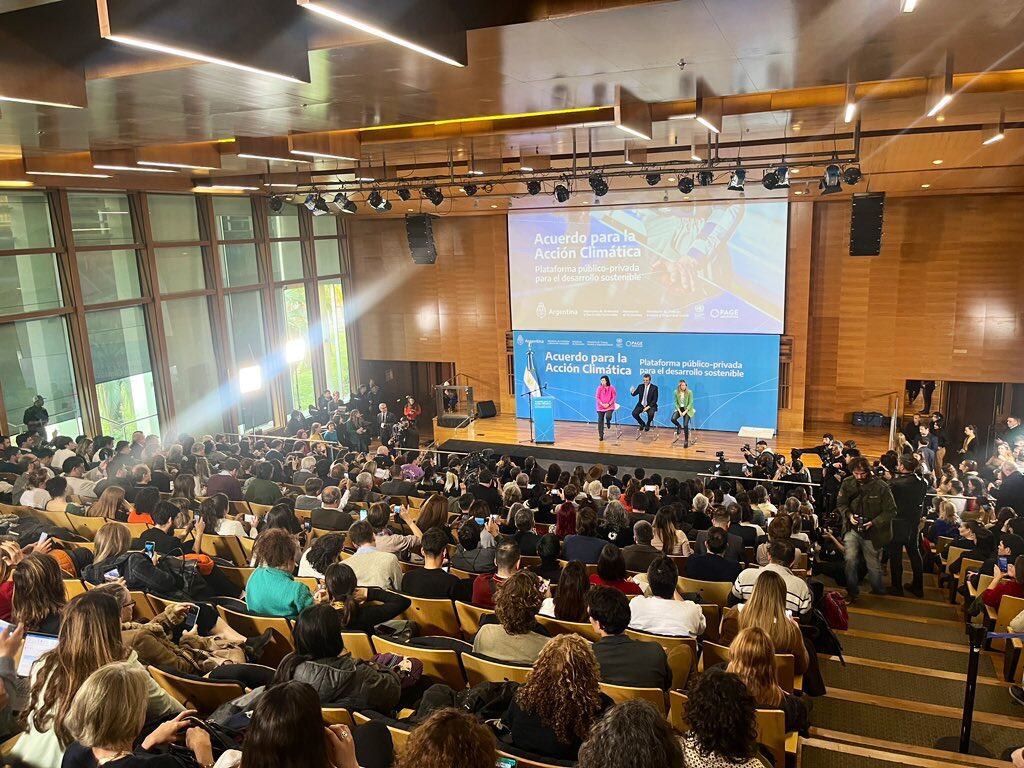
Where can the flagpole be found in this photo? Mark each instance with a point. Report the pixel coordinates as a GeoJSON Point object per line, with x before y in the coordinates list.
{"type": "Point", "coordinates": [529, 394]}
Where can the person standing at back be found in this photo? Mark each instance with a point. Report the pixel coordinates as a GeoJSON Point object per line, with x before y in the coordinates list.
{"type": "Point", "coordinates": [909, 491]}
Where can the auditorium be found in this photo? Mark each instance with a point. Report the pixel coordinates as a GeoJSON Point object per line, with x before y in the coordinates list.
{"type": "Point", "coordinates": [447, 384]}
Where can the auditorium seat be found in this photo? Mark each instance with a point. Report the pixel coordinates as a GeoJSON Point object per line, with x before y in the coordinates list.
{"type": "Point", "coordinates": [440, 664]}
{"type": "Point", "coordinates": [204, 696]}
{"type": "Point", "coordinates": [470, 617]}
{"type": "Point", "coordinates": [713, 654]}
{"type": "Point", "coordinates": [434, 617]}
{"type": "Point", "coordinates": [480, 670]}
{"type": "Point", "coordinates": [618, 693]}
{"type": "Point", "coordinates": [281, 642]}
{"type": "Point", "coordinates": [559, 627]}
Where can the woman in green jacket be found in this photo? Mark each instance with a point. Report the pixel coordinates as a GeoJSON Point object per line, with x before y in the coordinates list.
{"type": "Point", "coordinates": [272, 589]}
{"type": "Point", "coordinates": [684, 408]}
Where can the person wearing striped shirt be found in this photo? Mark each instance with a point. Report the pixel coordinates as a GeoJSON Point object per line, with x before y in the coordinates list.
{"type": "Point", "coordinates": [782, 553]}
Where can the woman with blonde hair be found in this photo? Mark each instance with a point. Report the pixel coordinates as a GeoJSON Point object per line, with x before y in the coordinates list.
{"type": "Point", "coordinates": [107, 717]}
{"type": "Point", "coordinates": [752, 660]}
{"type": "Point", "coordinates": [669, 539]}
{"type": "Point", "coordinates": [510, 494]}
{"type": "Point", "coordinates": [110, 505]}
{"type": "Point", "coordinates": [766, 610]}
{"type": "Point", "coordinates": [434, 514]}
{"type": "Point", "coordinates": [90, 638]}
{"type": "Point", "coordinates": [202, 474]}
{"type": "Point", "coordinates": [552, 712]}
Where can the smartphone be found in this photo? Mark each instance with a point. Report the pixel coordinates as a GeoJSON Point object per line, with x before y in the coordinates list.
{"type": "Point", "coordinates": [397, 509]}
{"type": "Point", "coordinates": [250, 519]}
{"type": "Point", "coordinates": [42, 537]}
{"type": "Point", "coordinates": [195, 520]}
{"type": "Point", "coordinates": [1004, 563]}
{"type": "Point", "coordinates": [651, 488]}
{"type": "Point", "coordinates": [307, 525]}
{"type": "Point", "coordinates": [506, 762]}
{"type": "Point", "coordinates": [150, 548]}
{"type": "Point", "coordinates": [111, 575]}
{"type": "Point", "coordinates": [191, 617]}
{"type": "Point", "coordinates": [494, 518]}
{"type": "Point", "coordinates": [362, 514]}
{"type": "Point", "coordinates": [479, 520]}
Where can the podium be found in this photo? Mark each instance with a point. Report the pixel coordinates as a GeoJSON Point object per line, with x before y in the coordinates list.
{"type": "Point", "coordinates": [543, 409]}
{"type": "Point", "coordinates": [454, 405]}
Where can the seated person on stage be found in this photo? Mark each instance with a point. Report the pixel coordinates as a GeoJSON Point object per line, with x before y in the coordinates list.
{"type": "Point", "coordinates": [431, 581]}
{"type": "Point", "coordinates": [485, 586]}
{"type": "Point", "coordinates": [640, 555]}
{"type": "Point", "coordinates": [646, 402]}
{"type": "Point", "coordinates": [712, 566]}
{"type": "Point", "coordinates": [586, 543]}
{"type": "Point", "coordinates": [624, 661]}
{"type": "Point", "coordinates": [514, 639]}
{"type": "Point", "coordinates": [798, 594]}
{"type": "Point", "coordinates": [665, 612]}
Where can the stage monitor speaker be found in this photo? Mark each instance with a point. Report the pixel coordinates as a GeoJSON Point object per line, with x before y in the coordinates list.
{"type": "Point", "coordinates": [866, 224]}
{"type": "Point", "coordinates": [420, 232]}
{"type": "Point", "coordinates": [486, 409]}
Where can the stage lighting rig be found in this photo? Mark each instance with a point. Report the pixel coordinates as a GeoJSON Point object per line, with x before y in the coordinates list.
{"type": "Point", "coordinates": [276, 203]}
{"type": "Point", "coordinates": [737, 180]}
{"type": "Point", "coordinates": [829, 183]}
{"type": "Point", "coordinates": [346, 205]}
{"type": "Point", "coordinates": [533, 187]}
{"type": "Point", "coordinates": [705, 178]}
{"type": "Point", "coordinates": [770, 180]}
{"type": "Point", "coordinates": [310, 201]}
{"type": "Point", "coordinates": [782, 173]}
{"type": "Point", "coordinates": [562, 193]}
{"type": "Point", "coordinates": [652, 179]}
{"type": "Point", "coordinates": [434, 195]}
{"type": "Point", "coordinates": [403, 193]}
{"type": "Point", "coordinates": [852, 175]}
{"type": "Point", "coordinates": [320, 207]}
{"type": "Point", "coordinates": [685, 184]}
{"type": "Point", "coordinates": [377, 202]}
{"type": "Point", "coordinates": [470, 189]}
{"type": "Point", "coordinates": [598, 184]}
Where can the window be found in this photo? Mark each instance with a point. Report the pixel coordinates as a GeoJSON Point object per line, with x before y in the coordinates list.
{"type": "Point", "coordinates": [108, 276]}
{"type": "Point", "coordinates": [100, 218]}
{"type": "Point", "coordinates": [332, 331]}
{"type": "Point", "coordinates": [328, 257]}
{"type": "Point", "coordinates": [24, 221]}
{"type": "Point", "coordinates": [291, 310]}
{"type": "Point", "coordinates": [35, 359]}
{"type": "Point", "coordinates": [28, 283]}
{"type": "Point", "coordinates": [124, 374]}
{"type": "Point", "coordinates": [284, 223]}
{"type": "Point", "coordinates": [286, 260]}
{"type": "Point", "coordinates": [193, 365]}
{"type": "Point", "coordinates": [325, 225]}
{"type": "Point", "coordinates": [173, 218]}
{"type": "Point", "coordinates": [234, 218]}
{"type": "Point", "coordinates": [180, 268]}
{"type": "Point", "coordinates": [238, 261]}
{"type": "Point", "coordinates": [248, 348]}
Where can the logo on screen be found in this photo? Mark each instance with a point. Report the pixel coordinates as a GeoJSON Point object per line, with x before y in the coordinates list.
{"type": "Point", "coordinates": [618, 342]}
{"type": "Point", "coordinates": [727, 314]}
{"type": "Point", "coordinates": [698, 310]}
{"type": "Point", "coordinates": [542, 311]}
{"type": "Point", "coordinates": [519, 339]}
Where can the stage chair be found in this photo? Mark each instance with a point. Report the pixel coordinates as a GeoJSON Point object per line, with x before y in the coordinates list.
{"type": "Point", "coordinates": [952, 553]}
{"type": "Point", "coordinates": [470, 617]}
{"type": "Point", "coordinates": [961, 577]}
{"type": "Point", "coordinates": [440, 664]}
{"type": "Point", "coordinates": [668, 642]}
{"type": "Point", "coordinates": [137, 529]}
{"type": "Point", "coordinates": [237, 575]}
{"type": "Point", "coordinates": [407, 567]}
{"type": "Point", "coordinates": [680, 561]}
{"type": "Point", "coordinates": [620, 693]}
{"type": "Point", "coordinates": [143, 608]}
{"type": "Point", "coordinates": [434, 617]}
{"type": "Point", "coordinates": [559, 627]}
{"type": "Point", "coordinates": [983, 582]}
{"type": "Point", "coordinates": [714, 592]}
{"type": "Point", "coordinates": [281, 642]}
{"type": "Point", "coordinates": [225, 547]}
{"type": "Point", "coordinates": [358, 644]}
{"type": "Point", "coordinates": [203, 696]}
{"type": "Point", "coordinates": [481, 670]}
{"type": "Point", "coordinates": [161, 604]}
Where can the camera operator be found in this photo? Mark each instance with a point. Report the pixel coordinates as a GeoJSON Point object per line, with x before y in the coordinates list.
{"type": "Point", "coordinates": [867, 508]}
{"type": "Point", "coordinates": [821, 451]}
{"type": "Point", "coordinates": [909, 490]}
{"type": "Point", "coordinates": [760, 463]}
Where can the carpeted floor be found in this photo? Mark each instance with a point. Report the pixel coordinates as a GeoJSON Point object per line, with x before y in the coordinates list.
{"type": "Point", "coordinates": [815, 757]}
{"type": "Point", "coordinates": [914, 655]}
{"type": "Point", "coordinates": [944, 633]}
{"type": "Point", "coordinates": [924, 608]}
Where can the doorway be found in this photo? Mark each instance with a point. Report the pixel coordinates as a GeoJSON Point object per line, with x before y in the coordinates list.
{"type": "Point", "coordinates": [971, 402]}
{"type": "Point", "coordinates": [399, 378]}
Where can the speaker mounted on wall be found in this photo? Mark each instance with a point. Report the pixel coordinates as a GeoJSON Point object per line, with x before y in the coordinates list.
{"type": "Point", "coordinates": [419, 230]}
{"type": "Point", "coordinates": [866, 224]}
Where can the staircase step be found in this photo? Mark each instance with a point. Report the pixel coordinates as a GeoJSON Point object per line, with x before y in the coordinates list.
{"type": "Point", "coordinates": [887, 751]}
{"type": "Point", "coordinates": [871, 620]}
{"type": "Point", "coordinates": [909, 606]}
{"type": "Point", "coordinates": [949, 657]}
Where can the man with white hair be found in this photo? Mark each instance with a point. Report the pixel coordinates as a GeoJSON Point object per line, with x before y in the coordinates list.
{"type": "Point", "coordinates": [701, 512]}
{"type": "Point", "coordinates": [363, 492]}
{"type": "Point", "coordinates": [595, 491]}
{"type": "Point", "coordinates": [305, 471]}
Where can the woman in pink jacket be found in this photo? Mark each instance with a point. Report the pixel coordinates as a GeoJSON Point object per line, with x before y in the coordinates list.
{"type": "Point", "coordinates": [605, 405]}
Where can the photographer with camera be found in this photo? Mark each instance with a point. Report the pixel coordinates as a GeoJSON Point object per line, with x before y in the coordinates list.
{"type": "Point", "coordinates": [867, 508]}
{"type": "Point", "coordinates": [909, 490]}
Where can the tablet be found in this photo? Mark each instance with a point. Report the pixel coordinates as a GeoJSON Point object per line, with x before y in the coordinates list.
{"type": "Point", "coordinates": [35, 646]}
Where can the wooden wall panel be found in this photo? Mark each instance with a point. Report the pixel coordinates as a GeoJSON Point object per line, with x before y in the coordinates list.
{"type": "Point", "coordinates": [798, 288]}
{"type": "Point", "coordinates": [456, 310]}
{"type": "Point", "coordinates": [943, 300]}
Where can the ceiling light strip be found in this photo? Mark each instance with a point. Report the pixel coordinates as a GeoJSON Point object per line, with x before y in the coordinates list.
{"type": "Point", "coordinates": [132, 168]}
{"type": "Point", "coordinates": [37, 102]}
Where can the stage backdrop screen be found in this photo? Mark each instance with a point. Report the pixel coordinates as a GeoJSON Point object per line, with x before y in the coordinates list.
{"type": "Point", "coordinates": [734, 378]}
{"type": "Point", "coordinates": [710, 268]}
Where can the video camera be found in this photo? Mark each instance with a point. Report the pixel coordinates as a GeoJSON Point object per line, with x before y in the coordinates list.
{"type": "Point", "coordinates": [720, 463]}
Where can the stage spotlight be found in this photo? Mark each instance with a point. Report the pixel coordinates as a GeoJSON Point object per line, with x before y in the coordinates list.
{"type": "Point", "coordinates": [403, 193]}
{"type": "Point", "coordinates": [434, 195]}
{"type": "Point", "coordinates": [470, 189]}
{"type": "Point", "coordinates": [736, 181]}
{"type": "Point", "coordinates": [347, 206]}
{"type": "Point", "coordinates": [310, 202]}
{"type": "Point", "coordinates": [705, 178]}
{"type": "Point", "coordinates": [533, 187]}
{"type": "Point", "coordinates": [320, 207]}
{"type": "Point", "coordinates": [561, 193]}
{"type": "Point", "coordinates": [852, 175]}
{"type": "Point", "coordinates": [598, 184]}
{"type": "Point", "coordinates": [770, 180]}
{"type": "Point", "coordinates": [276, 203]}
{"type": "Point", "coordinates": [385, 206]}
{"type": "Point", "coordinates": [782, 173]}
{"type": "Point", "coordinates": [830, 180]}
{"type": "Point", "coordinates": [685, 184]}
{"type": "Point", "coordinates": [375, 200]}
{"type": "Point", "coordinates": [652, 179]}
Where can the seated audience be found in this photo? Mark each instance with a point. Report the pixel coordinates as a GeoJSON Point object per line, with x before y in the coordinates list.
{"type": "Point", "coordinates": [145, 501]}
{"type": "Point", "coordinates": [485, 586]}
{"type": "Point", "coordinates": [668, 539]}
{"type": "Point", "coordinates": [525, 537]}
{"type": "Point", "coordinates": [471, 556]}
{"type": "Point", "coordinates": [713, 565]}
{"type": "Point", "coordinates": [361, 608]}
{"type": "Point", "coordinates": [798, 593]}
{"type": "Point", "coordinates": [431, 581]}
{"type": "Point", "coordinates": [781, 527]}
{"type": "Point", "coordinates": [386, 540]}
{"type": "Point", "coordinates": [722, 717]}
{"type": "Point", "coordinates": [752, 660]}
{"type": "Point", "coordinates": [110, 505]}
{"type": "Point", "coordinates": [549, 548]}
{"type": "Point", "coordinates": [162, 532]}
{"type": "Point", "coordinates": [330, 515]}
{"type": "Point", "coordinates": [641, 554]}
{"type": "Point", "coordinates": [372, 567]}
{"type": "Point", "coordinates": [615, 527]}
{"type": "Point", "coordinates": [513, 638]}
{"type": "Point", "coordinates": [448, 738]}
{"type": "Point", "coordinates": [632, 733]}
{"type": "Point", "coordinates": [766, 610]}
{"type": "Point", "coordinates": [665, 612]}
{"type": "Point", "coordinates": [1008, 582]}
{"type": "Point", "coordinates": [611, 572]}
{"type": "Point", "coordinates": [261, 489]}
{"type": "Point", "coordinates": [570, 599]}
{"type": "Point", "coordinates": [38, 599]}
{"type": "Point", "coordinates": [309, 499]}
{"type": "Point", "coordinates": [623, 660]}
{"type": "Point", "coordinates": [324, 551]}
{"type": "Point", "coordinates": [59, 490]}
{"type": "Point", "coordinates": [272, 589]}
{"type": "Point", "coordinates": [586, 543]}
{"type": "Point", "coordinates": [552, 712]}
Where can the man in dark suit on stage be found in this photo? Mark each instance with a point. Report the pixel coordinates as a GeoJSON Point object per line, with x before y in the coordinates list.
{"type": "Point", "coordinates": [385, 422]}
{"type": "Point", "coordinates": [646, 402]}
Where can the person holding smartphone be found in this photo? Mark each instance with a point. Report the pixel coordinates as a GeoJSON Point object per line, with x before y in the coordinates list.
{"type": "Point", "coordinates": [1008, 579]}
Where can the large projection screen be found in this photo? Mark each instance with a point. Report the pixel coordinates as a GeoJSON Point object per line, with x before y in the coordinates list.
{"type": "Point", "coordinates": [685, 268]}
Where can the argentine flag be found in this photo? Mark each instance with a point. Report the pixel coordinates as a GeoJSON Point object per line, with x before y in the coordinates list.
{"type": "Point", "coordinates": [530, 378]}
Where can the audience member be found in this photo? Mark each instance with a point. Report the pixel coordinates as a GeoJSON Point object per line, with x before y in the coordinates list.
{"type": "Point", "coordinates": [641, 554]}
{"type": "Point", "coordinates": [514, 639]}
{"type": "Point", "coordinates": [272, 589]}
{"type": "Point", "coordinates": [570, 598]}
{"type": "Point", "coordinates": [432, 581]}
{"type": "Point", "coordinates": [713, 565]}
{"type": "Point", "coordinates": [611, 572]}
{"type": "Point", "coordinates": [721, 714]}
{"type": "Point", "coordinates": [665, 612]}
{"type": "Point", "coordinates": [624, 661]}
{"type": "Point", "coordinates": [629, 734]}
{"type": "Point", "coordinates": [506, 562]}
{"type": "Point", "coordinates": [798, 593]}
{"type": "Point", "coordinates": [372, 567]}
{"type": "Point", "coordinates": [361, 608]}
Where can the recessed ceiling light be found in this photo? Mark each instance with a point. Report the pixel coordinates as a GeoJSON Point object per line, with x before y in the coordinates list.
{"type": "Point", "coordinates": [41, 103]}
{"type": "Point", "coordinates": [908, 6]}
{"type": "Point", "coordinates": [16, 183]}
{"type": "Point", "coordinates": [326, 155]}
{"type": "Point", "coordinates": [794, 170]}
{"type": "Point", "coordinates": [494, 206]}
{"type": "Point", "coordinates": [132, 168]}
{"type": "Point", "coordinates": [796, 126]}
{"type": "Point", "coordinates": [273, 159]}
{"type": "Point", "coordinates": [69, 173]}
{"type": "Point", "coordinates": [936, 162]}
{"type": "Point", "coordinates": [925, 186]}
{"type": "Point", "coordinates": [940, 118]}
{"type": "Point", "coordinates": [798, 192]}
{"type": "Point", "coordinates": [409, 210]}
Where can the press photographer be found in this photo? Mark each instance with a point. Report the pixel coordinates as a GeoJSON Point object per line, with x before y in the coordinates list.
{"type": "Point", "coordinates": [909, 490]}
{"type": "Point", "coordinates": [867, 508]}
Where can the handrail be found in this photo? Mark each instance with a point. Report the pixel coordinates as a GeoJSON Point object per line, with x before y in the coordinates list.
{"type": "Point", "coordinates": [758, 479]}
{"type": "Point", "coordinates": [334, 446]}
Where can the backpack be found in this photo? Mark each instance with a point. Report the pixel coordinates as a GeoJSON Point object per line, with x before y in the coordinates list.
{"type": "Point", "coordinates": [834, 608]}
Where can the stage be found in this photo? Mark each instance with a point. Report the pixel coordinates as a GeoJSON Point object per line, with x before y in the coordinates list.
{"type": "Point", "coordinates": [577, 443]}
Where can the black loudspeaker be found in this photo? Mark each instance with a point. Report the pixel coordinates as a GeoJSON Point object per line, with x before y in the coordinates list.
{"type": "Point", "coordinates": [866, 224]}
{"type": "Point", "coordinates": [420, 232]}
{"type": "Point", "coordinates": [485, 409]}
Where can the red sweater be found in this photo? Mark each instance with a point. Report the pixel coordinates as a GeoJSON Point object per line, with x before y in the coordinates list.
{"type": "Point", "coordinates": [626, 587]}
{"type": "Point", "coordinates": [484, 587]}
{"type": "Point", "coordinates": [993, 595]}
